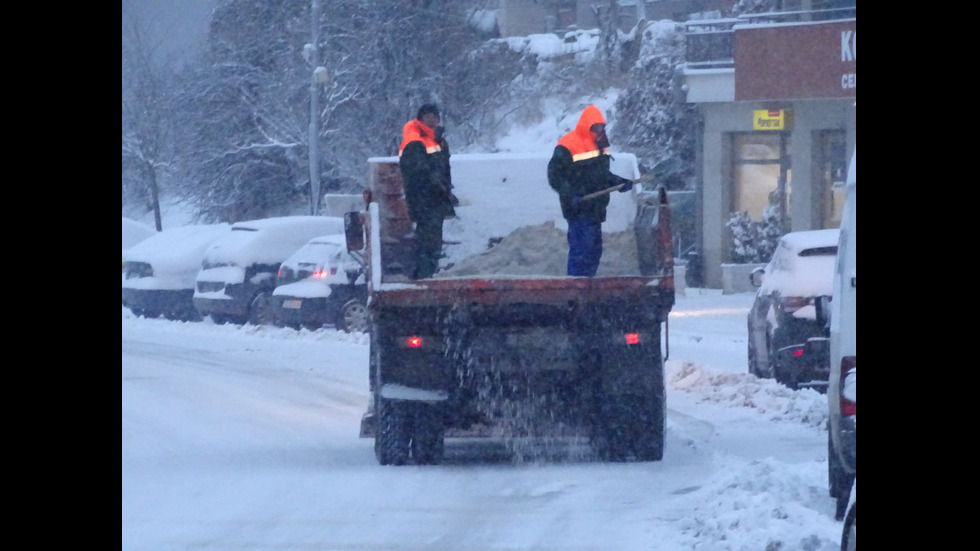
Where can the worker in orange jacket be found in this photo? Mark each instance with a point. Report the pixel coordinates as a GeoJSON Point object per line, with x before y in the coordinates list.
{"type": "Point", "coordinates": [423, 158]}
{"type": "Point", "coordinates": [580, 166]}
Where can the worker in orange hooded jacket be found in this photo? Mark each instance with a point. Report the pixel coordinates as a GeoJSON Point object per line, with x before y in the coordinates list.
{"type": "Point", "coordinates": [580, 166]}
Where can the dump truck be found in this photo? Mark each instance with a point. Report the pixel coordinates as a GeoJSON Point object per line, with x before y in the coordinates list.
{"type": "Point", "coordinates": [540, 356]}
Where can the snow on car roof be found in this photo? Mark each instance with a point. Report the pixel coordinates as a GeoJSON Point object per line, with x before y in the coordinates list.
{"type": "Point", "coordinates": [270, 240]}
{"type": "Point", "coordinates": [179, 247]}
{"type": "Point", "coordinates": [791, 273]}
{"type": "Point", "coordinates": [797, 241]}
{"type": "Point", "coordinates": [322, 250]}
{"type": "Point", "coordinates": [133, 232]}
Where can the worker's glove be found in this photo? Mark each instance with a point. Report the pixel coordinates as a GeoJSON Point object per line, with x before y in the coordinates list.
{"type": "Point", "coordinates": [576, 200]}
{"type": "Point", "coordinates": [627, 185]}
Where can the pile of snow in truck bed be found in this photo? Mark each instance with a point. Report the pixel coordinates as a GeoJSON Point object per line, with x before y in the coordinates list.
{"type": "Point", "coordinates": [542, 249]}
{"type": "Point", "coordinates": [503, 192]}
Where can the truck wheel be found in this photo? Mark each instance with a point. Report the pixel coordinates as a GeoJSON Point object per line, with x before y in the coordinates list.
{"type": "Point", "coordinates": [428, 440]}
{"type": "Point", "coordinates": [391, 435]}
{"type": "Point", "coordinates": [631, 428]}
{"type": "Point", "coordinates": [848, 538]}
{"type": "Point", "coordinates": [353, 316]}
{"type": "Point", "coordinates": [649, 439]}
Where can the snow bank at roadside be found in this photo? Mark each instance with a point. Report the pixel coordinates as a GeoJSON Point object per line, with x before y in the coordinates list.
{"type": "Point", "coordinates": [770, 399]}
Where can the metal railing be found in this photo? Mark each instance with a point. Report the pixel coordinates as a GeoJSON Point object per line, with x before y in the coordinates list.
{"type": "Point", "coordinates": [710, 42]}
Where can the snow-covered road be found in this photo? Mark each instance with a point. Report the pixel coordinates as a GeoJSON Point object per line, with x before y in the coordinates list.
{"type": "Point", "coordinates": [247, 438]}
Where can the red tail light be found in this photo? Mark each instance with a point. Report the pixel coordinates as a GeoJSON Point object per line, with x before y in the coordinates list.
{"type": "Point", "coordinates": [632, 338]}
{"type": "Point", "coordinates": [847, 407]}
{"type": "Point", "coordinates": [792, 304]}
{"type": "Point", "coordinates": [414, 341]}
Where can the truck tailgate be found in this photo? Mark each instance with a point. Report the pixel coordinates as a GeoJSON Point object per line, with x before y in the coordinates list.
{"type": "Point", "coordinates": [504, 290]}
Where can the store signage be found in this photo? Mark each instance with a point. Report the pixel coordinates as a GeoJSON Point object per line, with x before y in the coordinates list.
{"type": "Point", "coordinates": [770, 119]}
{"type": "Point", "coordinates": [815, 60]}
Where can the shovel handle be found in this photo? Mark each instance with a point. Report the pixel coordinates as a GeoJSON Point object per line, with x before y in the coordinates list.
{"type": "Point", "coordinates": [608, 190]}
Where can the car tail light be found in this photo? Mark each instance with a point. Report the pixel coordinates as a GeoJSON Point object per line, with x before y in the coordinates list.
{"type": "Point", "coordinates": [323, 273]}
{"type": "Point", "coordinates": [792, 304]}
{"type": "Point", "coordinates": [632, 338]}
{"type": "Point", "coordinates": [847, 364]}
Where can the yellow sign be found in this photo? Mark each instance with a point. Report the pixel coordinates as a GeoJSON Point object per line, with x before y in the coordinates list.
{"type": "Point", "coordinates": [770, 119]}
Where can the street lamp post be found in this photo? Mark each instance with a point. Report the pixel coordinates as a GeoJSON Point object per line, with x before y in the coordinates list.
{"type": "Point", "coordinates": [318, 78]}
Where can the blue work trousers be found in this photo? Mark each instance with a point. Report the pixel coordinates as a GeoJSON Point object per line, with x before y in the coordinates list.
{"type": "Point", "coordinates": [584, 247]}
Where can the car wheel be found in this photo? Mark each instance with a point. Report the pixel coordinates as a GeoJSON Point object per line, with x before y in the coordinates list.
{"type": "Point", "coordinates": [848, 538]}
{"type": "Point", "coordinates": [839, 481]}
{"type": "Point", "coordinates": [771, 367]}
{"type": "Point", "coordinates": [353, 316]}
{"type": "Point", "coordinates": [260, 310]}
{"type": "Point", "coordinates": [753, 360]}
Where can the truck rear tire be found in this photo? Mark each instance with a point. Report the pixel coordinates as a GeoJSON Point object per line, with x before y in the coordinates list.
{"type": "Point", "coordinates": [428, 434]}
{"type": "Point", "coordinates": [631, 428]}
{"type": "Point", "coordinates": [391, 435]}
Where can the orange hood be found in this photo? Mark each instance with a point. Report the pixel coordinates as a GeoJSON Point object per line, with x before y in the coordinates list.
{"type": "Point", "coordinates": [579, 141]}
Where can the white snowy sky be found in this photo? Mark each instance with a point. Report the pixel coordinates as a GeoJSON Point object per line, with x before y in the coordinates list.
{"type": "Point", "coordinates": [247, 438]}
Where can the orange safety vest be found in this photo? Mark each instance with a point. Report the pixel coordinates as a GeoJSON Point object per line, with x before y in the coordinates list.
{"type": "Point", "coordinates": [416, 131]}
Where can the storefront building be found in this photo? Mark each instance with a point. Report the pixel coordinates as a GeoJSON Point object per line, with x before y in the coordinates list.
{"type": "Point", "coordinates": [776, 96]}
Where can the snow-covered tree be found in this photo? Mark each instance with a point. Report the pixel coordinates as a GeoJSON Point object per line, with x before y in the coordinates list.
{"type": "Point", "coordinates": [652, 119]}
{"type": "Point", "coordinates": [147, 128]}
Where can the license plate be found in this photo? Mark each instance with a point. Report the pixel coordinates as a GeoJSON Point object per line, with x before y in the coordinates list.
{"type": "Point", "coordinates": [292, 303]}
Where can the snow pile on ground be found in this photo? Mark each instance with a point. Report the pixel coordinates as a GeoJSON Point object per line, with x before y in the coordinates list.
{"type": "Point", "coordinates": [781, 524]}
{"type": "Point", "coordinates": [770, 399]}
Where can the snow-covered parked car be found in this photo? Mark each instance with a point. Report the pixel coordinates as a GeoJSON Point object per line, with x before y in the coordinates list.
{"type": "Point", "coordinates": [238, 272]}
{"type": "Point", "coordinates": [321, 284]}
{"type": "Point", "coordinates": [132, 233]}
{"type": "Point", "coordinates": [161, 270]}
{"type": "Point", "coordinates": [783, 317]}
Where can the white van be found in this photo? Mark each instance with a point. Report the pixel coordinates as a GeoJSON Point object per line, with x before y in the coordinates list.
{"type": "Point", "coordinates": [842, 384]}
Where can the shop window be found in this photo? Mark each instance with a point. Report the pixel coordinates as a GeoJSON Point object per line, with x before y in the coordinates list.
{"type": "Point", "coordinates": [761, 168]}
{"type": "Point", "coordinates": [832, 163]}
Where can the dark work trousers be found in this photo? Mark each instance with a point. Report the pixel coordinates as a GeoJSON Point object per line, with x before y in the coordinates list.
{"type": "Point", "coordinates": [428, 246]}
{"type": "Point", "coordinates": [584, 247]}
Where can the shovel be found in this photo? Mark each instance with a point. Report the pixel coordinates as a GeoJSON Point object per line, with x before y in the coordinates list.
{"type": "Point", "coordinates": [609, 190]}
